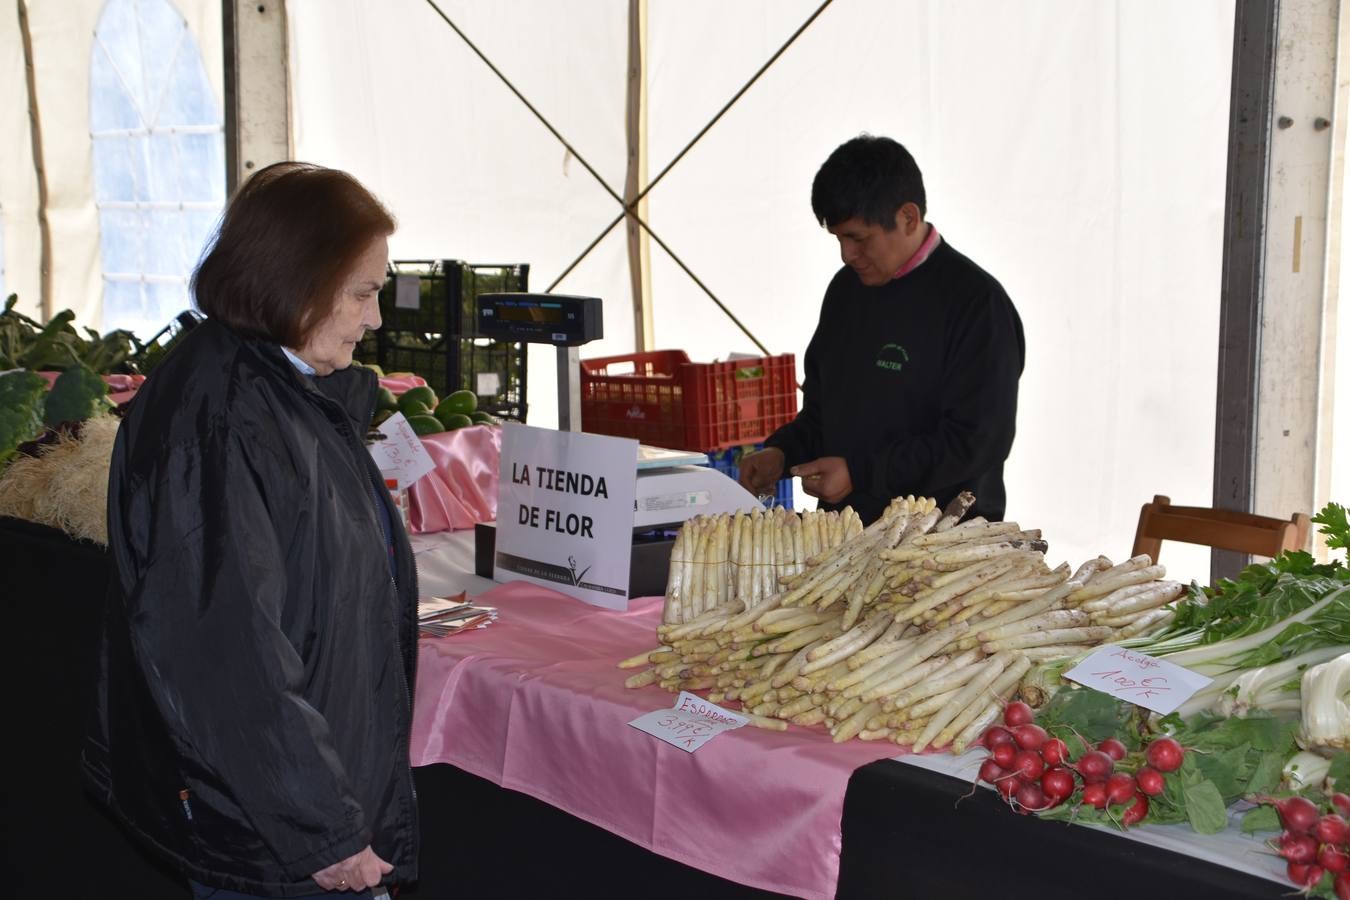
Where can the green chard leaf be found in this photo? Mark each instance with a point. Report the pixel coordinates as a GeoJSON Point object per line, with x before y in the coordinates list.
{"type": "Point", "coordinates": [1267, 773]}
{"type": "Point", "coordinates": [1340, 769]}
{"type": "Point", "coordinates": [1205, 809]}
{"type": "Point", "coordinates": [1261, 818]}
{"type": "Point", "coordinates": [1091, 714]}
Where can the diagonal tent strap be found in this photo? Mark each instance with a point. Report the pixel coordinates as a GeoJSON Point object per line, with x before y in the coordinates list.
{"type": "Point", "coordinates": [630, 209]}
{"type": "Point", "coordinates": [696, 138]}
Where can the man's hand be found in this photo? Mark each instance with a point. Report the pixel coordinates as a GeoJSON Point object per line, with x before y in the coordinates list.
{"type": "Point", "coordinates": [826, 478]}
{"type": "Point", "coordinates": [761, 470]}
{"type": "Point", "coordinates": [355, 873]}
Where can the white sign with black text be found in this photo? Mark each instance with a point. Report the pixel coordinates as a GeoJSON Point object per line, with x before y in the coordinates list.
{"type": "Point", "coordinates": [565, 512]}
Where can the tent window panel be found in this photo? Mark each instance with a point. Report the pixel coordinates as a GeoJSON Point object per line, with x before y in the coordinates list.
{"type": "Point", "coordinates": [121, 238]}
{"type": "Point", "coordinates": [163, 301]}
{"type": "Point", "coordinates": [159, 160]}
{"type": "Point", "coordinates": [116, 178]}
{"type": "Point", "coordinates": [191, 102]}
{"type": "Point", "coordinates": [122, 302]}
{"type": "Point", "coordinates": [202, 157]}
{"type": "Point", "coordinates": [161, 168]}
{"type": "Point", "coordinates": [164, 243]}
{"type": "Point", "coordinates": [117, 35]}
{"type": "Point", "coordinates": [198, 228]}
{"type": "Point", "coordinates": [110, 106]}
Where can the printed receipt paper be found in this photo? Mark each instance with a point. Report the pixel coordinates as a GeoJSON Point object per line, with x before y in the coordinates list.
{"type": "Point", "coordinates": [690, 723]}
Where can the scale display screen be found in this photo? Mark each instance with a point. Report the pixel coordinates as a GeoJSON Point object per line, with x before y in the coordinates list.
{"type": "Point", "coordinates": [540, 318]}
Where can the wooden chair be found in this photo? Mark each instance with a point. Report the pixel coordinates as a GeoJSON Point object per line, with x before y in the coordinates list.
{"type": "Point", "coordinates": [1227, 530]}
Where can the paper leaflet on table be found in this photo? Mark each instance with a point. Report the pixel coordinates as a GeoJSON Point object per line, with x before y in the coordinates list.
{"type": "Point", "coordinates": [439, 616]}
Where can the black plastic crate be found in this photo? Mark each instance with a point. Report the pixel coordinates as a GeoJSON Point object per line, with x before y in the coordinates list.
{"type": "Point", "coordinates": [429, 312]}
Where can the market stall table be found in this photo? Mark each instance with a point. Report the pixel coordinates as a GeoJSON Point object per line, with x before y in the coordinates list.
{"type": "Point", "coordinates": [906, 831]}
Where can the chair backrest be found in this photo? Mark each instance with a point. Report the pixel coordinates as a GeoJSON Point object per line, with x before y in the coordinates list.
{"type": "Point", "coordinates": [1227, 530]}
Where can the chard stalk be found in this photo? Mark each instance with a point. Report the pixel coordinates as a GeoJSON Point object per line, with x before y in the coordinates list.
{"type": "Point", "coordinates": [1273, 688]}
{"type": "Point", "coordinates": [1326, 706]}
{"type": "Point", "coordinates": [1219, 657]}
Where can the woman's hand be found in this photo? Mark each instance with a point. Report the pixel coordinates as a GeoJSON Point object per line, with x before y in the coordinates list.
{"type": "Point", "coordinates": [355, 873]}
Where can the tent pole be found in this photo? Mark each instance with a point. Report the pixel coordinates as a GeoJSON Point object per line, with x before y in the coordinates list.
{"type": "Point", "coordinates": [257, 90]}
{"type": "Point", "coordinates": [639, 248]}
{"type": "Point", "coordinates": [39, 167]}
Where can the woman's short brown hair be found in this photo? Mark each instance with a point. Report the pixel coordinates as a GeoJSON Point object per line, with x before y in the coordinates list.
{"type": "Point", "coordinates": [288, 238]}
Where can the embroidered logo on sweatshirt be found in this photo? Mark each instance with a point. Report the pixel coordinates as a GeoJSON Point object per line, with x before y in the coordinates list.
{"type": "Point", "coordinates": [892, 357]}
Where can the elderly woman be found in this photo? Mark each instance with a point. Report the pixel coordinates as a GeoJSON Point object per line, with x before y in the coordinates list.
{"type": "Point", "coordinates": [255, 673]}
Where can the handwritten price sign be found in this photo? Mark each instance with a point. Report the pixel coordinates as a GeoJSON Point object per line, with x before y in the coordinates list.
{"type": "Point", "coordinates": [690, 723]}
{"type": "Point", "coordinates": [1154, 684]}
{"type": "Point", "coordinates": [401, 454]}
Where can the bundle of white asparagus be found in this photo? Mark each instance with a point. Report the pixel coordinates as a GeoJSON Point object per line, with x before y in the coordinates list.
{"type": "Point", "coordinates": [916, 629]}
{"type": "Point", "coordinates": [724, 559]}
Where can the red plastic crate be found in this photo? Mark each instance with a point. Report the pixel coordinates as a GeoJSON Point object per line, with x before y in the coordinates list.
{"type": "Point", "coordinates": [663, 399]}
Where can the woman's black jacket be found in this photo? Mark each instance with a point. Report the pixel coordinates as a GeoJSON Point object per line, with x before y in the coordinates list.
{"type": "Point", "coordinates": [254, 698]}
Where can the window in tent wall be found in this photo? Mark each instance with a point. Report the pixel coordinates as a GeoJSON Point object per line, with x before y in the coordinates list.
{"type": "Point", "coordinates": [159, 161]}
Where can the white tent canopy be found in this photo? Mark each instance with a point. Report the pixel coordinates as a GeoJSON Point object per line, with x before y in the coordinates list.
{"type": "Point", "coordinates": [1075, 150]}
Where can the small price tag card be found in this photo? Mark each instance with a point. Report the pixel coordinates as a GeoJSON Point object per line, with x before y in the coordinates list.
{"type": "Point", "coordinates": [1154, 684]}
{"type": "Point", "coordinates": [401, 454]}
{"type": "Point", "coordinates": [690, 723]}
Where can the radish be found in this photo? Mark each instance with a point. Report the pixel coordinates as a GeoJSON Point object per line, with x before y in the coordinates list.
{"type": "Point", "coordinates": [1165, 754]}
{"type": "Point", "coordinates": [1304, 875]}
{"type": "Point", "coordinates": [1017, 713]}
{"type": "Point", "coordinates": [1004, 754]}
{"type": "Point", "coordinates": [1028, 765]}
{"type": "Point", "coordinates": [1151, 781]}
{"type": "Point", "coordinates": [1299, 848]}
{"type": "Point", "coordinates": [1333, 859]}
{"type": "Point", "coordinates": [1343, 886]}
{"type": "Point", "coordinates": [1331, 829]}
{"type": "Point", "coordinates": [1135, 813]}
{"type": "Point", "coordinates": [1095, 795]}
{"type": "Point", "coordinates": [991, 772]}
{"type": "Point", "coordinates": [1007, 786]}
{"type": "Point", "coordinates": [1299, 814]}
{"type": "Point", "coordinates": [1030, 737]}
{"type": "Point", "coordinates": [1058, 784]}
{"type": "Point", "coordinates": [1341, 802]}
{"type": "Point", "coordinates": [1112, 748]}
{"type": "Point", "coordinates": [1119, 788]}
{"type": "Point", "coordinates": [1095, 766]}
{"type": "Point", "coordinates": [1055, 752]}
{"type": "Point", "coordinates": [1031, 798]}
{"type": "Point", "coordinates": [996, 735]}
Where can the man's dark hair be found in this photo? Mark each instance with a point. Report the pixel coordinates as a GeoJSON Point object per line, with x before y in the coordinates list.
{"type": "Point", "coordinates": [289, 237]}
{"type": "Point", "coordinates": [867, 178]}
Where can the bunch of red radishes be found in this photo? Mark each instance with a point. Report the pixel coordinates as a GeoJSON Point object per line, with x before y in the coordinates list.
{"type": "Point", "coordinates": [1314, 842]}
{"type": "Point", "coordinates": [1033, 771]}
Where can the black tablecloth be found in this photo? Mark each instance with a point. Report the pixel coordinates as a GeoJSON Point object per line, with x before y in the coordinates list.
{"type": "Point", "coordinates": [907, 832]}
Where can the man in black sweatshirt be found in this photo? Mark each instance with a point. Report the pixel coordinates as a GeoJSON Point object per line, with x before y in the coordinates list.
{"type": "Point", "coordinates": [911, 375]}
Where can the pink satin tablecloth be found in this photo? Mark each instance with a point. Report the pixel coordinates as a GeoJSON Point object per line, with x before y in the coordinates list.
{"type": "Point", "coordinates": [462, 489]}
{"type": "Point", "coordinates": [535, 704]}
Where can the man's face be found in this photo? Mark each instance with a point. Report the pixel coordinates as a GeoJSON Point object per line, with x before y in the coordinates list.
{"type": "Point", "coordinates": [876, 253]}
{"type": "Point", "coordinates": [356, 310]}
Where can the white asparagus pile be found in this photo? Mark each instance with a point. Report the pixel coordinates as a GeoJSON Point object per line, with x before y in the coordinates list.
{"type": "Point", "coordinates": [727, 558]}
{"type": "Point", "coordinates": [917, 629]}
